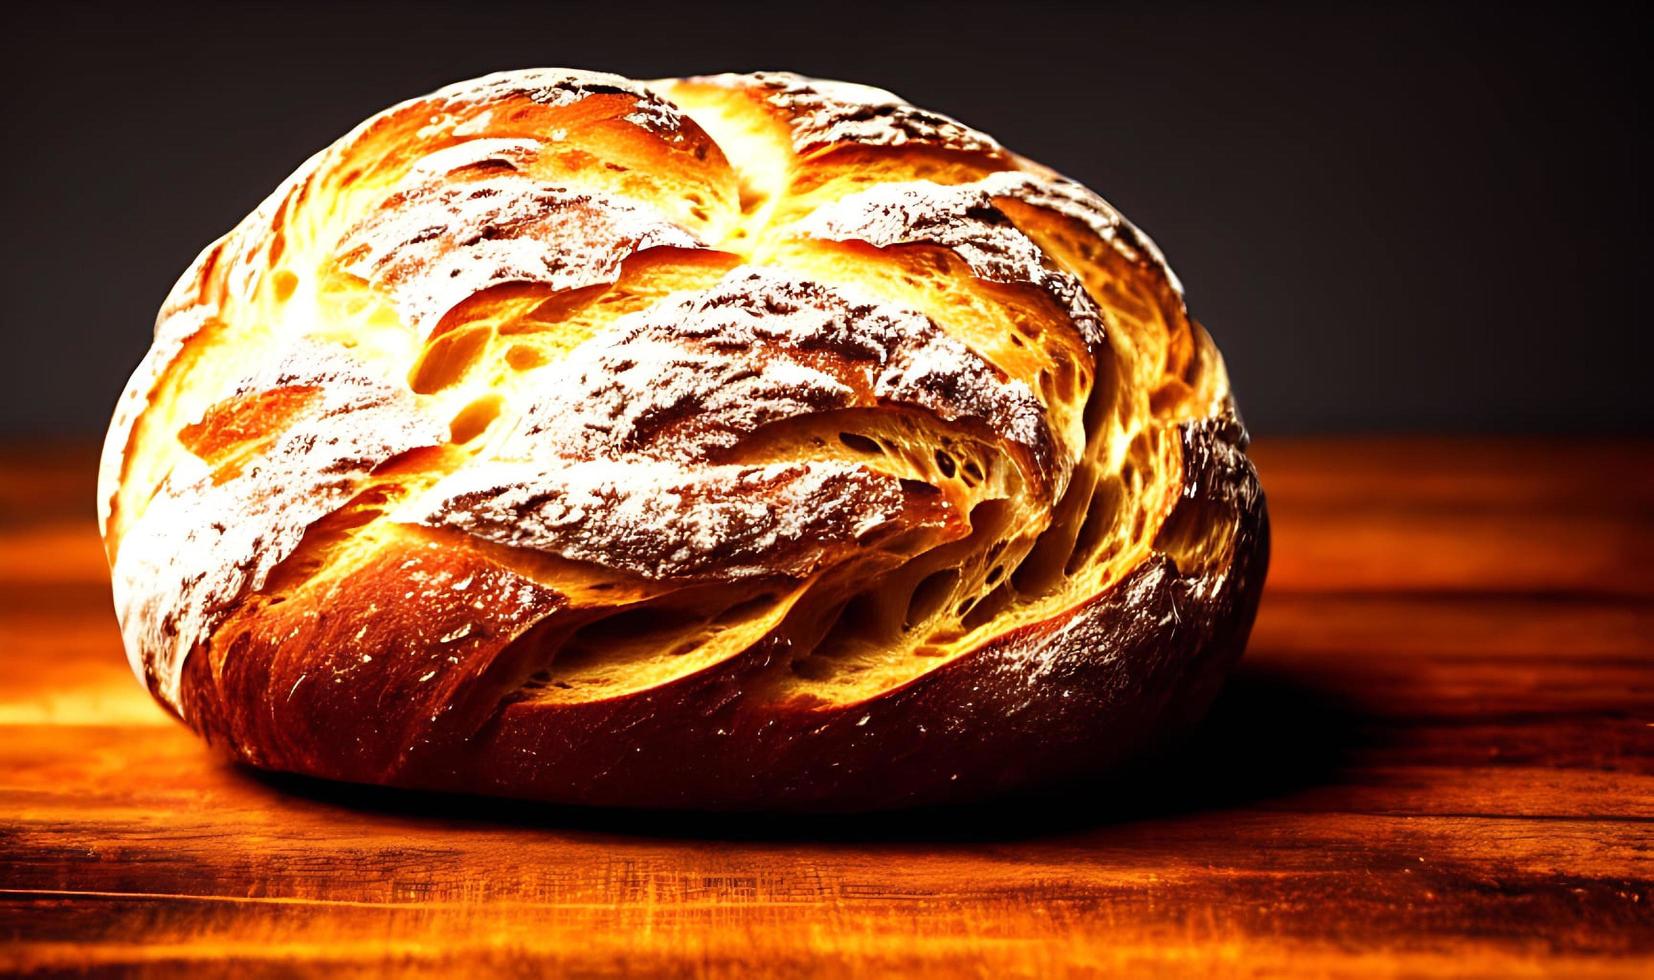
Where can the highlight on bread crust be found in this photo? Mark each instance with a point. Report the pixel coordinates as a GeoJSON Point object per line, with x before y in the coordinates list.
{"type": "Point", "coordinates": [745, 441]}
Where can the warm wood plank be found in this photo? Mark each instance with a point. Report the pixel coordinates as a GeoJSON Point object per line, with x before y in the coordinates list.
{"type": "Point", "coordinates": [1510, 474]}
{"type": "Point", "coordinates": [259, 866]}
{"type": "Point", "coordinates": [1437, 759]}
{"type": "Point", "coordinates": [1514, 515]}
{"type": "Point", "coordinates": [809, 938]}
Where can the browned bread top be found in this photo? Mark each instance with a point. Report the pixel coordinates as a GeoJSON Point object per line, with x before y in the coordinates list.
{"type": "Point", "coordinates": [739, 441]}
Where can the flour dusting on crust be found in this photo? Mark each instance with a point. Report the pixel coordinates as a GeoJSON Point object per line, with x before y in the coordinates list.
{"type": "Point", "coordinates": [202, 545]}
{"type": "Point", "coordinates": [172, 332]}
{"type": "Point", "coordinates": [822, 114]}
{"type": "Point", "coordinates": [963, 219]}
{"type": "Point", "coordinates": [664, 520]}
{"type": "Point", "coordinates": [559, 87]}
{"type": "Point", "coordinates": [616, 461]}
{"type": "Point", "coordinates": [435, 244]}
{"type": "Point", "coordinates": [513, 153]}
{"type": "Point", "coordinates": [692, 376]}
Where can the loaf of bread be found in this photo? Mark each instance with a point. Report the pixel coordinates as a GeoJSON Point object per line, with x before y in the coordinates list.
{"type": "Point", "coordinates": [735, 442]}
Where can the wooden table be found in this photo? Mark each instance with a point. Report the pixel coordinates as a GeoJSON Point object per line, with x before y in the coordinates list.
{"type": "Point", "coordinates": [1437, 758]}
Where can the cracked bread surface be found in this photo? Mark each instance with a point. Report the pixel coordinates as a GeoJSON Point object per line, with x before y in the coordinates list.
{"type": "Point", "coordinates": [733, 442]}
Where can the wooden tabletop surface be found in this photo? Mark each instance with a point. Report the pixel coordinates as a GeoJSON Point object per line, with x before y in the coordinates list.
{"type": "Point", "coordinates": [1437, 758]}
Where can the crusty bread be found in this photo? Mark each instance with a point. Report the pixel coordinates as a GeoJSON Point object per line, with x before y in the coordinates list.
{"type": "Point", "coordinates": [747, 441]}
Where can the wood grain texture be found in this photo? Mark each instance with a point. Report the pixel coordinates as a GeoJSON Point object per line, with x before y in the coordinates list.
{"type": "Point", "coordinates": [1437, 759]}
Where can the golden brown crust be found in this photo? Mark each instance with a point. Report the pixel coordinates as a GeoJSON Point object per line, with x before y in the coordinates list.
{"type": "Point", "coordinates": [734, 442]}
{"type": "Point", "coordinates": [292, 685]}
{"type": "Point", "coordinates": [1061, 699]}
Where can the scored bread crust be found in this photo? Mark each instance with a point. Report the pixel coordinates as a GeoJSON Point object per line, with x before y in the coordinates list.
{"type": "Point", "coordinates": [734, 442]}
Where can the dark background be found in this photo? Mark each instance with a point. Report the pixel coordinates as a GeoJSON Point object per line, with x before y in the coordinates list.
{"type": "Point", "coordinates": [1392, 219]}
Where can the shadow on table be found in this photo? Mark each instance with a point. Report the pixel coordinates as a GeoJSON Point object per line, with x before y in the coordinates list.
{"type": "Point", "coordinates": [1267, 736]}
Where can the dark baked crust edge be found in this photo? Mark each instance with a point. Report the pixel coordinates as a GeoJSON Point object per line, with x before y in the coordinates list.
{"type": "Point", "coordinates": [1072, 697]}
